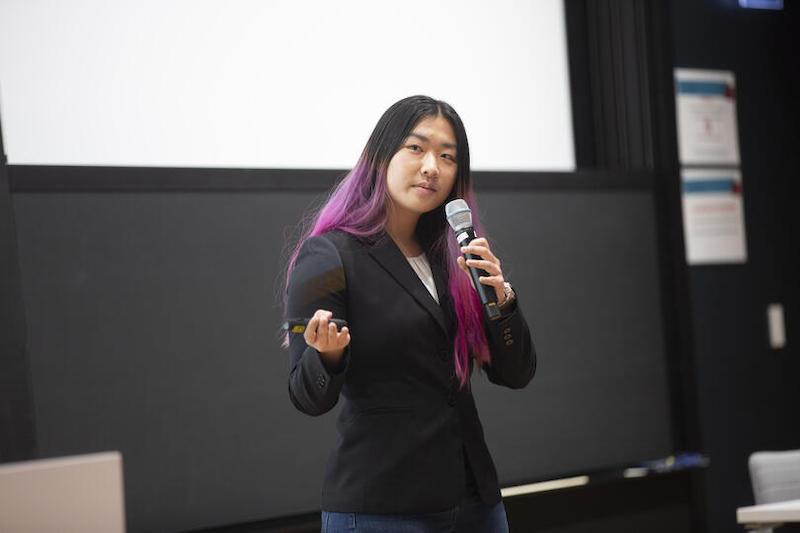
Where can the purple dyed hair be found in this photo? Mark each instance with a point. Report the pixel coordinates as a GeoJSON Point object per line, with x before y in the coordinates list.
{"type": "Point", "coordinates": [358, 206]}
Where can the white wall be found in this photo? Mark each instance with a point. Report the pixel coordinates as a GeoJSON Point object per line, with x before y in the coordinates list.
{"type": "Point", "coordinates": [291, 84]}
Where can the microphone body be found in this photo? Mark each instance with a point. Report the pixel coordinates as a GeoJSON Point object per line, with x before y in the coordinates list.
{"type": "Point", "coordinates": [486, 294]}
{"type": "Point", "coordinates": [459, 216]}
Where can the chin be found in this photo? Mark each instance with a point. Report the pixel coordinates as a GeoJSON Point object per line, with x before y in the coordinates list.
{"type": "Point", "coordinates": [433, 210]}
{"type": "Point", "coordinates": [428, 207]}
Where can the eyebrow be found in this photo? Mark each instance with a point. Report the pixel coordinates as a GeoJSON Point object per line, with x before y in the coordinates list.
{"type": "Point", "coordinates": [422, 137]}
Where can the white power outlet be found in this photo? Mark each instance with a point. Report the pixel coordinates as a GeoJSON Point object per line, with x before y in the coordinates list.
{"type": "Point", "coordinates": [777, 330]}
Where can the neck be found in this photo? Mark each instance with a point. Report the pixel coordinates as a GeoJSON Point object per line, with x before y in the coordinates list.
{"type": "Point", "coordinates": [401, 226]}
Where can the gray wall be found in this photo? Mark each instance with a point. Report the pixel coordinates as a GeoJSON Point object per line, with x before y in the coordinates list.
{"type": "Point", "coordinates": [152, 320]}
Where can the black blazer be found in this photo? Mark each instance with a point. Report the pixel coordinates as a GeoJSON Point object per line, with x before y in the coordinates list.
{"type": "Point", "coordinates": [405, 429]}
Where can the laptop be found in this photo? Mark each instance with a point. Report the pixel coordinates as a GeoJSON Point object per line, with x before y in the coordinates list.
{"type": "Point", "coordinates": [80, 493]}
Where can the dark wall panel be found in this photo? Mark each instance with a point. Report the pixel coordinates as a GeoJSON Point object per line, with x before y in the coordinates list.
{"type": "Point", "coordinates": [153, 330]}
{"type": "Point", "coordinates": [585, 265]}
{"type": "Point", "coordinates": [17, 425]}
{"type": "Point", "coordinates": [746, 391]}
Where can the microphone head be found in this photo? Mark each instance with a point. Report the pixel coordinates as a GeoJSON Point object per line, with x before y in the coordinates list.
{"type": "Point", "coordinates": [458, 214]}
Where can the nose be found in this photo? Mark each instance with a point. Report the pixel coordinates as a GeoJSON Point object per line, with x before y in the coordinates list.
{"type": "Point", "coordinates": [430, 166]}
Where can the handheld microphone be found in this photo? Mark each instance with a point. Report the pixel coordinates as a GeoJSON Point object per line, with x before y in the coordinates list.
{"type": "Point", "coordinates": [298, 325]}
{"type": "Point", "coordinates": [459, 217]}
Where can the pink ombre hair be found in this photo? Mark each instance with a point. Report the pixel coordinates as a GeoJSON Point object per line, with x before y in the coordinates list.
{"type": "Point", "coordinates": [358, 206]}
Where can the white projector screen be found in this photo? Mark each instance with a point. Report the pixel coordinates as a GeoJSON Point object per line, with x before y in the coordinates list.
{"type": "Point", "coordinates": [292, 84]}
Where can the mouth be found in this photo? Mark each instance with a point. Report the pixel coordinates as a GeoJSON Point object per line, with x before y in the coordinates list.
{"type": "Point", "coordinates": [426, 187]}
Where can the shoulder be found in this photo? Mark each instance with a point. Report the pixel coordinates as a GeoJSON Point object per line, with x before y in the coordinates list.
{"type": "Point", "coordinates": [317, 249]}
{"type": "Point", "coordinates": [318, 264]}
{"type": "Point", "coordinates": [339, 247]}
{"type": "Point", "coordinates": [330, 248]}
{"type": "Point", "coordinates": [346, 244]}
{"type": "Point", "coordinates": [342, 240]}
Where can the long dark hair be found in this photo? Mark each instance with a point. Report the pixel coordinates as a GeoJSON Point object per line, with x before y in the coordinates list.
{"type": "Point", "coordinates": [358, 205]}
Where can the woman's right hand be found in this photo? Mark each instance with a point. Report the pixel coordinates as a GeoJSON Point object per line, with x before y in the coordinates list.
{"type": "Point", "coordinates": [323, 336]}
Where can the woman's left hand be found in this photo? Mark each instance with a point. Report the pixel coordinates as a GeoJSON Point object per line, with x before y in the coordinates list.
{"type": "Point", "coordinates": [489, 262]}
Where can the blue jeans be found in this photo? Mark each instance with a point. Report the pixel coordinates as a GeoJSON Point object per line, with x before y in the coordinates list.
{"type": "Point", "coordinates": [472, 515]}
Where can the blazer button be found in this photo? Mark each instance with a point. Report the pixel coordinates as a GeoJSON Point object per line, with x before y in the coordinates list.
{"type": "Point", "coordinates": [509, 342]}
{"type": "Point", "coordinates": [506, 337]}
{"type": "Point", "coordinates": [506, 331]}
{"type": "Point", "coordinates": [321, 381]}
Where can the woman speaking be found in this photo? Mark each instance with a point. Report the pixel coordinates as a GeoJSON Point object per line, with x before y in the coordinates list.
{"type": "Point", "coordinates": [380, 259]}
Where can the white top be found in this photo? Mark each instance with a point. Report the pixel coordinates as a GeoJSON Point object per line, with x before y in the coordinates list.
{"type": "Point", "coordinates": [423, 269]}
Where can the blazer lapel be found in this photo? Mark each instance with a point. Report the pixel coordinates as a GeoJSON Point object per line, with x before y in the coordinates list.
{"type": "Point", "coordinates": [389, 256]}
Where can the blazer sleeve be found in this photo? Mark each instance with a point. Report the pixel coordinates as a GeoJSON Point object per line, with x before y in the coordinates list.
{"type": "Point", "coordinates": [317, 281]}
{"type": "Point", "coordinates": [513, 354]}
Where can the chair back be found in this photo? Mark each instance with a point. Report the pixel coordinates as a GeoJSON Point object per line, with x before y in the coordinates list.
{"type": "Point", "coordinates": [775, 476]}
